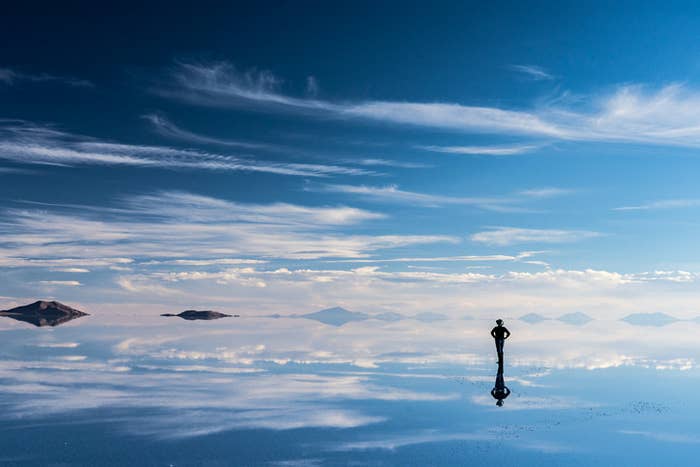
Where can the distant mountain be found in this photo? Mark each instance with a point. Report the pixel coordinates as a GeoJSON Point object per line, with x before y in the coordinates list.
{"type": "Point", "coordinates": [199, 314]}
{"type": "Point", "coordinates": [429, 317]}
{"type": "Point", "coordinates": [389, 316]}
{"type": "Point", "coordinates": [533, 318]}
{"type": "Point", "coordinates": [44, 313]}
{"type": "Point", "coordinates": [336, 316]}
{"type": "Point", "coordinates": [576, 319]}
{"type": "Point", "coordinates": [649, 319]}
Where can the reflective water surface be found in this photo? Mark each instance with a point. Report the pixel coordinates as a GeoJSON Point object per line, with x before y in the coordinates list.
{"type": "Point", "coordinates": [128, 387]}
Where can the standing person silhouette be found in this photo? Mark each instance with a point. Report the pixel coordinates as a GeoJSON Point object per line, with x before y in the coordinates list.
{"type": "Point", "coordinates": [500, 334]}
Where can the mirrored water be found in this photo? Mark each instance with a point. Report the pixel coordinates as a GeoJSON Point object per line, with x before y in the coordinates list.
{"type": "Point", "coordinates": [132, 387]}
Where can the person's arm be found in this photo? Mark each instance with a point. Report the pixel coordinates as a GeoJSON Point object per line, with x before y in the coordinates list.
{"type": "Point", "coordinates": [493, 333]}
{"type": "Point", "coordinates": [507, 335]}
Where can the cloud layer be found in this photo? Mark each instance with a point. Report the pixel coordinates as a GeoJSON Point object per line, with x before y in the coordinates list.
{"type": "Point", "coordinates": [32, 144]}
{"type": "Point", "coordinates": [631, 113]}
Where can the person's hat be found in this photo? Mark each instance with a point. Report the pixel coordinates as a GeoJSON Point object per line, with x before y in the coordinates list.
{"type": "Point", "coordinates": [499, 321]}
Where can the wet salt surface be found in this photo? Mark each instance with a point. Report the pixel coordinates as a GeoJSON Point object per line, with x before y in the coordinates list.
{"type": "Point", "coordinates": [114, 389]}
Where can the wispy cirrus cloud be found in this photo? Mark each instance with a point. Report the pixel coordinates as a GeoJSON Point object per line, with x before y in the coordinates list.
{"type": "Point", "coordinates": [439, 259]}
{"type": "Point", "coordinates": [58, 264]}
{"type": "Point", "coordinates": [667, 115]}
{"type": "Point", "coordinates": [392, 194]}
{"type": "Point", "coordinates": [167, 128]}
{"type": "Point", "coordinates": [662, 204]}
{"type": "Point", "coordinates": [179, 225]}
{"type": "Point", "coordinates": [483, 150]}
{"type": "Point", "coordinates": [26, 143]}
{"type": "Point", "coordinates": [221, 84]}
{"type": "Point", "coordinates": [533, 72]}
{"type": "Point", "coordinates": [503, 236]}
{"type": "Point", "coordinates": [547, 192]}
{"type": "Point", "coordinates": [61, 283]}
{"type": "Point", "coordinates": [11, 76]}
{"type": "Point", "coordinates": [199, 208]}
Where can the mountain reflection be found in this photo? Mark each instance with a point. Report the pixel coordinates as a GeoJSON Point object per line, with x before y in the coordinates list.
{"type": "Point", "coordinates": [43, 313]}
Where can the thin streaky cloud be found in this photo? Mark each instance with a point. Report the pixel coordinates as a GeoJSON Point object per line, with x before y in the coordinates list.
{"type": "Point", "coordinates": [482, 150]}
{"type": "Point", "coordinates": [221, 84]}
{"type": "Point", "coordinates": [664, 115]}
{"type": "Point", "coordinates": [437, 259]}
{"type": "Point", "coordinates": [28, 144]}
{"type": "Point", "coordinates": [207, 262]}
{"type": "Point", "coordinates": [61, 283]}
{"type": "Point", "coordinates": [468, 258]}
{"type": "Point", "coordinates": [533, 72]}
{"type": "Point", "coordinates": [199, 208]}
{"type": "Point", "coordinates": [392, 193]}
{"type": "Point", "coordinates": [549, 192]}
{"type": "Point", "coordinates": [165, 127]}
{"type": "Point", "coordinates": [663, 204]}
{"type": "Point", "coordinates": [504, 236]}
{"type": "Point", "coordinates": [387, 163]}
{"type": "Point", "coordinates": [182, 226]}
{"type": "Point", "coordinates": [9, 76]}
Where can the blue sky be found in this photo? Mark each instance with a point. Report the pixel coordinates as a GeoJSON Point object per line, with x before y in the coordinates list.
{"type": "Point", "coordinates": [464, 158]}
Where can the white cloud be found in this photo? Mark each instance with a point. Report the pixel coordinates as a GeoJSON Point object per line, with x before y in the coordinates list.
{"type": "Point", "coordinates": [394, 194]}
{"type": "Point", "coordinates": [545, 192]}
{"type": "Point", "coordinates": [668, 115]}
{"type": "Point", "coordinates": [59, 345]}
{"type": "Point", "coordinates": [533, 72]}
{"type": "Point", "coordinates": [198, 208]}
{"type": "Point", "coordinates": [167, 128]}
{"type": "Point", "coordinates": [457, 117]}
{"type": "Point", "coordinates": [181, 226]}
{"type": "Point", "coordinates": [58, 264]}
{"type": "Point", "coordinates": [503, 236]}
{"type": "Point", "coordinates": [9, 76]}
{"type": "Point", "coordinates": [208, 262]}
{"type": "Point", "coordinates": [469, 258]}
{"type": "Point", "coordinates": [482, 150]}
{"type": "Point", "coordinates": [64, 283]}
{"type": "Point", "coordinates": [664, 204]}
{"type": "Point", "coordinates": [387, 163]}
{"type": "Point", "coordinates": [31, 144]}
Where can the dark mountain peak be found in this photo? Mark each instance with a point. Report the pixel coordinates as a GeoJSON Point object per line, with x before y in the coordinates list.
{"type": "Point", "coordinates": [44, 313]}
{"type": "Point", "coordinates": [336, 316]}
{"type": "Point", "coordinates": [199, 314]}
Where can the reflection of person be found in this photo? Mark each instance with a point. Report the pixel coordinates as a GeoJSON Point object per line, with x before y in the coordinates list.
{"type": "Point", "coordinates": [500, 391]}
{"type": "Point", "coordinates": [500, 334]}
